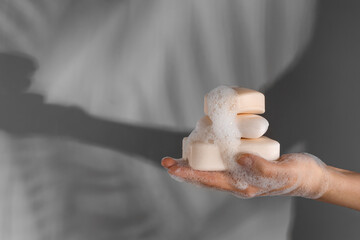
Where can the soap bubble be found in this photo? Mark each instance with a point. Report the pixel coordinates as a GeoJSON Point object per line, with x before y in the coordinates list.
{"type": "Point", "coordinates": [219, 127]}
{"type": "Point", "coordinates": [309, 180]}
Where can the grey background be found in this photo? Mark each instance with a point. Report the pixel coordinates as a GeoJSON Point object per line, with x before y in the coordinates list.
{"type": "Point", "coordinates": [315, 101]}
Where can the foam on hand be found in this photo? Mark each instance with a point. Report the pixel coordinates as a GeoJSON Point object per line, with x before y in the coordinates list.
{"type": "Point", "coordinates": [309, 180]}
{"type": "Point", "coordinates": [229, 128]}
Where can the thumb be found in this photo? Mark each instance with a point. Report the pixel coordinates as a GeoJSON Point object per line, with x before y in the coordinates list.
{"type": "Point", "coordinates": [258, 165]}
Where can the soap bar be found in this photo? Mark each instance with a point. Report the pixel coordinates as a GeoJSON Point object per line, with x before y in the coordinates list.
{"type": "Point", "coordinates": [250, 125]}
{"type": "Point", "coordinates": [264, 147]}
{"type": "Point", "coordinates": [246, 101]}
{"type": "Point", "coordinates": [206, 156]}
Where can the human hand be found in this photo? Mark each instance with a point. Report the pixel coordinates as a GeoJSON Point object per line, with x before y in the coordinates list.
{"type": "Point", "coordinates": [297, 174]}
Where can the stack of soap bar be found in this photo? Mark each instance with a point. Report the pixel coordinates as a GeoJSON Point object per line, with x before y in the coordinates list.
{"type": "Point", "coordinates": [206, 156]}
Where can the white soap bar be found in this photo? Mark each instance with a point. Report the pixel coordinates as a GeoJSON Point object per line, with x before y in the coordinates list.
{"type": "Point", "coordinates": [250, 125]}
{"type": "Point", "coordinates": [246, 101]}
{"type": "Point", "coordinates": [207, 157]}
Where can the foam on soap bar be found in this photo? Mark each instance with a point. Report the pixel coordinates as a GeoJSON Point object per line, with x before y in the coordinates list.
{"type": "Point", "coordinates": [207, 157]}
{"type": "Point", "coordinates": [244, 101]}
{"type": "Point", "coordinates": [220, 128]}
{"type": "Point", "coordinates": [220, 136]}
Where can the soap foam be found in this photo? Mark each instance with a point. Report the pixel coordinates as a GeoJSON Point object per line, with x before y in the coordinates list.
{"type": "Point", "coordinates": [313, 181]}
{"type": "Point", "coordinates": [309, 180]}
{"type": "Point", "coordinates": [220, 127]}
{"type": "Point", "coordinates": [244, 176]}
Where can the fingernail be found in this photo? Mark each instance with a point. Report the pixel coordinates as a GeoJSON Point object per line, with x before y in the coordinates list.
{"type": "Point", "coordinates": [167, 162]}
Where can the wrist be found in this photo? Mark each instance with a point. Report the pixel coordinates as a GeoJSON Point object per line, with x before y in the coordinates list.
{"type": "Point", "coordinates": [343, 189]}
{"type": "Point", "coordinates": [334, 181]}
{"type": "Point", "coordinates": [316, 180]}
{"type": "Point", "coordinates": [325, 183]}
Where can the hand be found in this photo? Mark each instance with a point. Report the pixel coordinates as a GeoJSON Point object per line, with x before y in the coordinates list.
{"type": "Point", "coordinates": [298, 174]}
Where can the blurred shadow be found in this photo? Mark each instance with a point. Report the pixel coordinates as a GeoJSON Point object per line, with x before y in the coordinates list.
{"type": "Point", "coordinates": [315, 101]}
{"type": "Point", "coordinates": [26, 114]}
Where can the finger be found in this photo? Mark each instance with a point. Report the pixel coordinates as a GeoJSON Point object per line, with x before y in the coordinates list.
{"type": "Point", "coordinates": [168, 162]}
{"type": "Point", "coordinates": [259, 166]}
{"type": "Point", "coordinates": [218, 180]}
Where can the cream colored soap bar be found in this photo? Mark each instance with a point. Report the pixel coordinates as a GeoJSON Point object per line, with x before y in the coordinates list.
{"type": "Point", "coordinates": [206, 156]}
{"type": "Point", "coordinates": [246, 101]}
{"type": "Point", "coordinates": [264, 147]}
{"type": "Point", "coordinates": [250, 125]}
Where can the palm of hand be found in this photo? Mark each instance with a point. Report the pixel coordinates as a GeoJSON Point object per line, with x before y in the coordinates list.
{"type": "Point", "coordinates": [297, 174]}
